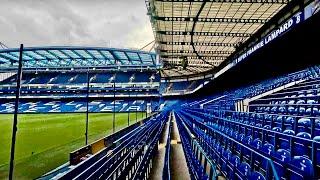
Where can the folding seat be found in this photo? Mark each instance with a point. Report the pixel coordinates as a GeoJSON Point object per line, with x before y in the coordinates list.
{"type": "Point", "coordinates": [281, 158]}
{"type": "Point", "coordinates": [304, 125]}
{"type": "Point", "coordinates": [291, 102]}
{"type": "Point", "coordinates": [267, 119]}
{"type": "Point", "coordinates": [302, 110]}
{"type": "Point", "coordinates": [259, 109]}
{"type": "Point", "coordinates": [301, 146]}
{"type": "Point", "coordinates": [235, 115]}
{"type": "Point", "coordinates": [230, 133]}
{"type": "Point", "coordinates": [257, 133]}
{"type": "Point", "coordinates": [258, 119]}
{"type": "Point", "coordinates": [274, 109]}
{"type": "Point", "coordinates": [301, 94]}
{"type": "Point", "coordinates": [283, 102]}
{"type": "Point", "coordinates": [289, 123]}
{"type": "Point", "coordinates": [273, 135]}
{"type": "Point", "coordinates": [317, 127]}
{"type": "Point", "coordinates": [317, 155]}
{"type": "Point", "coordinates": [291, 110]}
{"type": "Point", "coordinates": [232, 165]}
{"type": "Point", "coordinates": [285, 140]}
{"type": "Point", "coordinates": [226, 156]}
{"type": "Point", "coordinates": [312, 111]}
{"type": "Point", "coordinates": [300, 167]}
{"type": "Point", "coordinates": [246, 152]}
{"type": "Point", "coordinates": [277, 121]}
{"type": "Point", "coordinates": [311, 101]}
{"type": "Point", "coordinates": [256, 176]}
{"type": "Point", "coordinates": [235, 134]}
{"type": "Point", "coordinates": [256, 144]}
{"type": "Point", "coordinates": [240, 139]}
{"type": "Point", "coordinates": [282, 110]}
{"type": "Point", "coordinates": [252, 118]}
{"type": "Point", "coordinates": [268, 150]}
{"type": "Point", "coordinates": [243, 171]}
{"type": "Point", "coordinates": [226, 130]}
{"type": "Point", "coordinates": [293, 96]}
{"type": "Point", "coordinates": [267, 134]}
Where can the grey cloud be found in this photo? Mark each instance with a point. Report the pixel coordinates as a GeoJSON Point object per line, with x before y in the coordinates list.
{"type": "Point", "coordinates": [123, 23]}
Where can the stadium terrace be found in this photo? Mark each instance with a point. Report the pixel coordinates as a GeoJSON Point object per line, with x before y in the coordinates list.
{"type": "Point", "coordinates": [226, 89]}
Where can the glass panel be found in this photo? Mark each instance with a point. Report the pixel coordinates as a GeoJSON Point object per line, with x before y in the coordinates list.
{"type": "Point", "coordinates": [71, 54]}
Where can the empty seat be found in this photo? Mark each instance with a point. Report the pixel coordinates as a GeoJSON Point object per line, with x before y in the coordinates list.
{"type": "Point", "coordinates": [282, 158]}
{"type": "Point", "coordinates": [300, 167]}
{"type": "Point", "coordinates": [289, 123]}
{"type": "Point", "coordinates": [301, 145]}
{"type": "Point", "coordinates": [285, 140]}
{"type": "Point", "coordinates": [304, 125]}
{"type": "Point", "coordinates": [243, 171]}
{"type": "Point", "coordinates": [234, 163]}
{"type": "Point", "coordinates": [256, 176]}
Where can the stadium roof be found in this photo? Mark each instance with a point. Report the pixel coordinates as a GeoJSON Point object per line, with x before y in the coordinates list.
{"type": "Point", "coordinates": [204, 33]}
{"type": "Point", "coordinates": [63, 56]}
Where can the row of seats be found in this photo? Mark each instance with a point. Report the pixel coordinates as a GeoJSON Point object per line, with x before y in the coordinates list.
{"type": "Point", "coordinates": [235, 142]}
{"type": "Point", "coordinates": [237, 94]}
{"type": "Point", "coordinates": [228, 165]}
{"type": "Point", "coordinates": [281, 130]}
{"type": "Point", "coordinates": [195, 169]}
{"type": "Point", "coordinates": [180, 86]}
{"type": "Point", "coordinates": [80, 105]}
{"type": "Point", "coordinates": [78, 78]}
{"type": "Point", "coordinates": [300, 99]}
{"type": "Point", "coordinates": [296, 137]}
{"type": "Point", "coordinates": [131, 156]}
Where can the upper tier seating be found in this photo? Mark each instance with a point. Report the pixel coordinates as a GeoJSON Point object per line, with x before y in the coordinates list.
{"type": "Point", "coordinates": [278, 137]}
{"type": "Point", "coordinates": [81, 78]}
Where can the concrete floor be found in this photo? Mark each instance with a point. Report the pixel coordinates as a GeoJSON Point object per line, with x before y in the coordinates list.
{"type": "Point", "coordinates": [178, 164]}
{"type": "Point", "coordinates": [158, 160]}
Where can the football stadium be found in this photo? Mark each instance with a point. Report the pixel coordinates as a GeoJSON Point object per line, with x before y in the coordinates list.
{"type": "Point", "coordinates": [230, 89]}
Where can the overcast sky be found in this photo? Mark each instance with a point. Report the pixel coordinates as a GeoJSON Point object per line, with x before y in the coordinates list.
{"type": "Point", "coordinates": [121, 23]}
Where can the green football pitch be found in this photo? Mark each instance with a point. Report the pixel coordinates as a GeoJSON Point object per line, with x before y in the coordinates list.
{"type": "Point", "coordinates": [44, 141]}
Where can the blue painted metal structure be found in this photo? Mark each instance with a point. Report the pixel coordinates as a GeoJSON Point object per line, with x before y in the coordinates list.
{"type": "Point", "coordinates": [74, 57]}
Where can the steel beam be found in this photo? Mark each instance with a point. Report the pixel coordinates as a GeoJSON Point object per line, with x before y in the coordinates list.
{"type": "Point", "coordinates": [218, 34]}
{"type": "Point", "coordinates": [191, 51]}
{"type": "Point", "coordinates": [200, 43]}
{"type": "Point", "coordinates": [229, 1]}
{"type": "Point", "coordinates": [220, 20]}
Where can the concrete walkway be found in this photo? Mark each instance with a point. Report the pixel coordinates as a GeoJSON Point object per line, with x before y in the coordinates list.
{"type": "Point", "coordinates": [178, 165]}
{"type": "Point", "coordinates": [158, 160]}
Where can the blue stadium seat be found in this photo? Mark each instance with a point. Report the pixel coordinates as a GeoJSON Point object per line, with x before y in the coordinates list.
{"type": "Point", "coordinates": [285, 140]}
{"type": "Point", "coordinates": [282, 158]}
{"type": "Point", "coordinates": [304, 125]}
{"type": "Point", "coordinates": [256, 176]}
{"type": "Point", "coordinates": [289, 123]}
{"type": "Point", "coordinates": [243, 171]}
{"type": "Point", "coordinates": [234, 163]}
{"type": "Point", "coordinates": [300, 168]}
{"type": "Point", "coordinates": [268, 150]}
{"type": "Point", "coordinates": [300, 146]}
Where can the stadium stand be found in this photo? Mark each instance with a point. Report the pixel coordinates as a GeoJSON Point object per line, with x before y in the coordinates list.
{"type": "Point", "coordinates": [276, 137]}
{"type": "Point", "coordinates": [244, 106]}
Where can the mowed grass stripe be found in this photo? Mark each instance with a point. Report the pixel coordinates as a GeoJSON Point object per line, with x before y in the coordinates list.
{"type": "Point", "coordinates": [45, 140]}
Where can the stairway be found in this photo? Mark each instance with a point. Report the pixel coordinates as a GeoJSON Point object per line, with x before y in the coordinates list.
{"type": "Point", "coordinates": [178, 164]}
